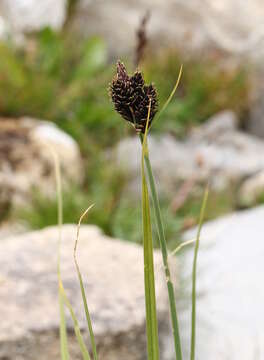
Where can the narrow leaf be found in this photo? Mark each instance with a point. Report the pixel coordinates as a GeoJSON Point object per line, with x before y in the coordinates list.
{"type": "Point", "coordinates": [87, 313]}
{"type": "Point", "coordinates": [171, 94]}
{"type": "Point", "coordinates": [182, 245]}
{"type": "Point", "coordinates": [196, 248]}
{"type": "Point", "coordinates": [63, 329]}
{"type": "Point", "coordinates": [84, 351]}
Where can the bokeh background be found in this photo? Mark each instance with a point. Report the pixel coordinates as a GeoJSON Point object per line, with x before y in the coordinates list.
{"type": "Point", "coordinates": [57, 59]}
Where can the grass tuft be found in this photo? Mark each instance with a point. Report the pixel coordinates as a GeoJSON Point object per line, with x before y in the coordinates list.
{"type": "Point", "coordinates": [63, 300]}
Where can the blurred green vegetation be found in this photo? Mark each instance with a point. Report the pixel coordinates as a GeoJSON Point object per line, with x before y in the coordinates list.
{"type": "Point", "coordinates": [63, 79]}
{"type": "Point", "coordinates": [117, 215]}
{"type": "Point", "coordinates": [205, 88]}
{"type": "Point", "coordinates": [59, 78]}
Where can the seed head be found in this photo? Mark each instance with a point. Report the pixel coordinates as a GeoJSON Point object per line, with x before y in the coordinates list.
{"type": "Point", "coordinates": [132, 98]}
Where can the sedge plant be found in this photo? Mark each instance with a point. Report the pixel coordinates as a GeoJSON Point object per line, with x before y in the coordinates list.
{"type": "Point", "coordinates": [137, 103]}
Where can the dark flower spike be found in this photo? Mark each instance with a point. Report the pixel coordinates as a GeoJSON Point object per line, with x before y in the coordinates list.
{"type": "Point", "coordinates": [132, 98]}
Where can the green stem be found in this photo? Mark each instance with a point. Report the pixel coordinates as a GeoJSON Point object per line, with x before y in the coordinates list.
{"type": "Point", "coordinates": [194, 271]}
{"type": "Point", "coordinates": [63, 330]}
{"type": "Point", "coordinates": [163, 246]}
{"type": "Point", "coordinates": [87, 313]}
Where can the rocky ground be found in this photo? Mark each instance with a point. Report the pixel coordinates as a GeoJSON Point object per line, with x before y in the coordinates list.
{"type": "Point", "coordinates": [27, 148]}
{"type": "Point", "coordinates": [113, 277]}
{"type": "Point", "coordinates": [230, 269]}
{"type": "Point", "coordinates": [230, 288]}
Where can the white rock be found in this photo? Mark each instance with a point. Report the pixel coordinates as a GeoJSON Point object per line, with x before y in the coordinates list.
{"type": "Point", "coordinates": [230, 288]}
{"type": "Point", "coordinates": [220, 123]}
{"type": "Point", "coordinates": [113, 275]}
{"type": "Point", "coordinates": [188, 25]}
{"type": "Point", "coordinates": [30, 15]}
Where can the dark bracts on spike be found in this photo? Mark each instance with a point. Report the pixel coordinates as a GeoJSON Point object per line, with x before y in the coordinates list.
{"type": "Point", "coordinates": [132, 97]}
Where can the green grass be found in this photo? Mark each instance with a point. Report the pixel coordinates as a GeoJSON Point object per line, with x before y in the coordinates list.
{"type": "Point", "coordinates": [63, 299]}
{"type": "Point", "coordinates": [121, 220]}
{"type": "Point", "coordinates": [121, 217]}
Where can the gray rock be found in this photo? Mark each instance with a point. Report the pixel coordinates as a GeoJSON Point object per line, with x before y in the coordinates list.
{"type": "Point", "coordinates": [30, 15]}
{"type": "Point", "coordinates": [220, 123]}
{"type": "Point", "coordinates": [255, 122]}
{"type": "Point", "coordinates": [11, 228]}
{"type": "Point", "coordinates": [3, 28]}
{"type": "Point", "coordinates": [230, 288]}
{"type": "Point", "coordinates": [195, 25]}
{"type": "Point", "coordinates": [26, 160]}
{"type": "Point", "coordinates": [251, 190]}
{"type": "Point", "coordinates": [216, 152]}
{"type": "Point", "coordinates": [113, 275]}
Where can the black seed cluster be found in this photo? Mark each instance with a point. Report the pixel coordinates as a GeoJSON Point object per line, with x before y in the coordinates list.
{"type": "Point", "coordinates": [132, 98]}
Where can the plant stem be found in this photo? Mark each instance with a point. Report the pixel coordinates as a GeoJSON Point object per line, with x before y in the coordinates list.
{"type": "Point", "coordinates": [63, 330]}
{"type": "Point", "coordinates": [87, 313]}
{"type": "Point", "coordinates": [194, 271]}
{"type": "Point", "coordinates": [149, 274]}
{"type": "Point", "coordinates": [163, 246]}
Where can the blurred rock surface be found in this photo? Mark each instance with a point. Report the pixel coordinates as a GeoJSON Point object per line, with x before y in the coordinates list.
{"type": "Point", "coordinates": [255, 123]}
{"type": "Point", "coordinates": [26, 161]}
{"type": "Point", "coordinates": [252, 190]}
{"type": "Point", "coordinates": [217, 152]}
{"type": "Point", "coordinates": [195, 25]}
{"type": "Point", "coordinates": [113, 275]}
{"type": "Point", "coordinates": [3, 28]}
{"type": "Point", "coordinates": [25, 16]}
{"type": "Point", "coordinates": [230, 288]}
{"type": "Point", "coordinates": [10, 228]}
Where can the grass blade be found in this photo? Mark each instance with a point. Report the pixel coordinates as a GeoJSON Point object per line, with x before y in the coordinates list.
{"type": "Point", "coordinates": [196, 248]}
{"type": "Point", "coordinates": [87, 313]}
{"type": "Point", "coordinates": [171, 94]}
{"type": "Point", "coordinates": [63, 330]}
{"type": "Point", "coordinates": [84, 351]}
{"type": "Point", "coordinates": [149, 276]}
